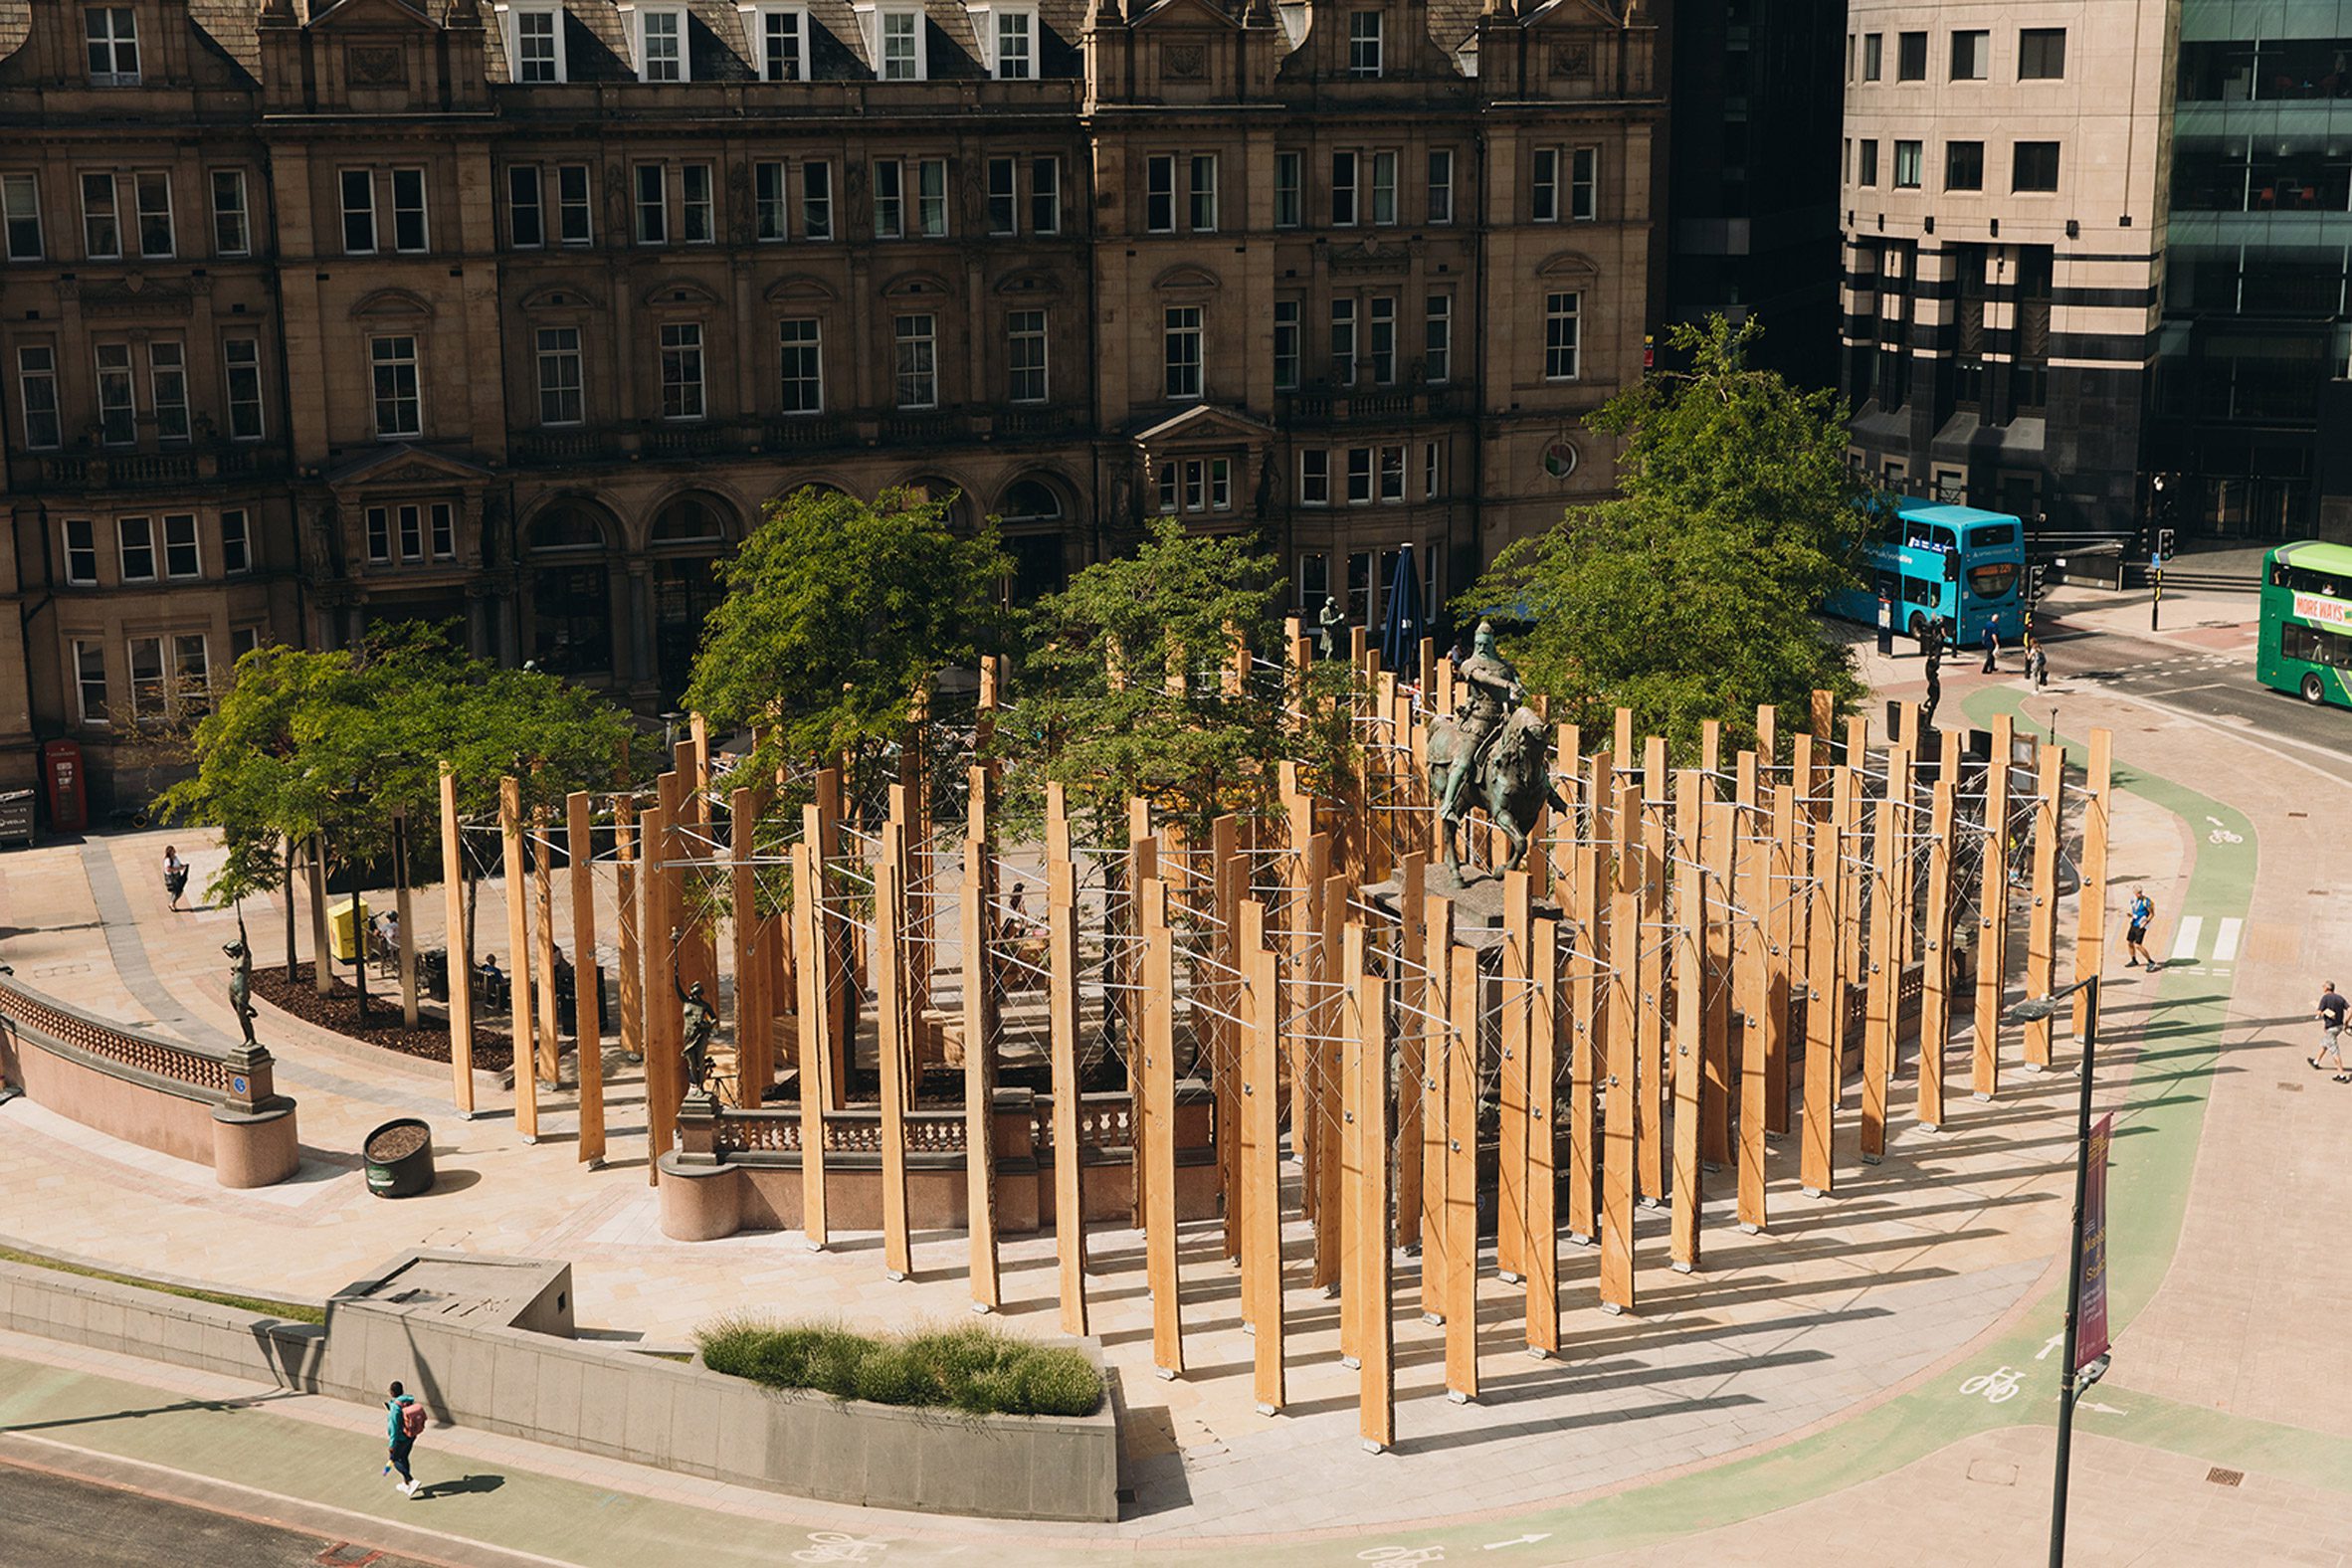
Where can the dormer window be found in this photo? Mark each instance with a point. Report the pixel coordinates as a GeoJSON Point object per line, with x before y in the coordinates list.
{"type": "Point", "coordinates": [538, 45]}
{"type": "Point", "coordinates": [112, 34]}
{"type": "Point", "coordinates": [660, 45]}
{"type": "Point", "coordinates": [1016, 45]}
{"type": "Point", "coordinates": [1363, 43]}
{"type": "Point", "coordinates": [902, 46]}
{"type": "Point", "coordinates": [780, 42]}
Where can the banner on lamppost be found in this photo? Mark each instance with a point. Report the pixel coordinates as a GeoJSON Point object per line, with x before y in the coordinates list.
{"type": "Point", "coordinates": [2090, 1321]}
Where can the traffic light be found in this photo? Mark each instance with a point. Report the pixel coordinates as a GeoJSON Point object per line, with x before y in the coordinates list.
{"type": "Point", "coordinates": [2164, 543]}
{"type": "Point", "coordinates": [2034, 580]}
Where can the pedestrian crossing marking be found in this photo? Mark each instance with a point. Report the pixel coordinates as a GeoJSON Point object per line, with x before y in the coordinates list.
{"type": "Point", "coordinates": [2225, 942]}
{"type": "Point", "coordinates": [2184, 942]}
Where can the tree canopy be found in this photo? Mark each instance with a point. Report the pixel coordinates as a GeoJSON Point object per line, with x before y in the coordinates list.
{"type": "Point", "coordinates": [1692, 597]}
{"type": "Point", "coordinates": [838, 612]}
{"type": "Point", "coordinates": [339, 742]}
{"type": "Point", "coordinates": [1100, 715]}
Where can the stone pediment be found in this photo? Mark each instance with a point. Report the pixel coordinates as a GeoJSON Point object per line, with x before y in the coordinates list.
{"type": "Point", "coordinates": [1371, 254]}
{"type": "Point", "coordinates": [560, 296]}
{"type": "Point", "coordinates": [405, 464]}
{"type": "Point", "coordinates": [919, 286]}
{"type": "Point", "coordinates": [797, 288]}
{"type": "Point", "coordinates": [1029, 281]}
{"type": "Point", "coordinates": [372, 16]}
{"type": "Point", "coordinates": [1204, 425]}
{"type": "Point", "coordinates": [1568, 264]}
{"type": "Point", "coordinates": [136, 295]}
{"type": "Point", "coordinates": [392, 302]}
{"type": "Point", "coordinates": [681, 290]}
{"type": "Point", "coordinates": [1186, 276]}
{"type": "Point", "coordinates": [1185, 13]}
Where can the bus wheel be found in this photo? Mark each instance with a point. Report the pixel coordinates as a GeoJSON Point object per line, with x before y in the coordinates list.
{"type": "Point", "coordinates": [1918, 627]}
{"type": "Point", "coordinates": [2315, 690]}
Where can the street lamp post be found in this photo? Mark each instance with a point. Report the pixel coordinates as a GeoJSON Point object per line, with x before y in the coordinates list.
{"type": "Point", "coordinates": [2070, 1385]}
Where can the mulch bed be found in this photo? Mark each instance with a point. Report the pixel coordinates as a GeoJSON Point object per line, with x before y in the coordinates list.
{"type": "Point", "coordinates": [339, 1011]}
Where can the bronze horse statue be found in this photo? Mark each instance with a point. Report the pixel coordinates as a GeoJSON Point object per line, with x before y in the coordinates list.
{"type": "Point", "coordinates": [1512, 780]}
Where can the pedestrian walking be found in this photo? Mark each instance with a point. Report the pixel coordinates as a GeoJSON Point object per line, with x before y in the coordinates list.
{"type": "Point", "coordinates": [404, 1418]}
{"type": "Point", "coordinates": [2136, 916]}
{"type": "Point", "coordinates": [2331, 1013]}
{"type": "Point", "coordinates": [176, 874]}
{"type": "Point", "coordinates": [2037, 665]}
{"type": "Point", "coordinates": [1992, 646]}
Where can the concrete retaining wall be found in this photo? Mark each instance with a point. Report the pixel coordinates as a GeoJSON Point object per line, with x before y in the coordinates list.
{"type": "Point", "coordinates": [602, 1399]}
{"type": "Point", "coordinates": [159, 1327]}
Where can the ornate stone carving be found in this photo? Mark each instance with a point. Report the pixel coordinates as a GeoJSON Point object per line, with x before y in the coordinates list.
{"type": "Point", "coordinates": [1187, 62]}
{"type": "Point", "coordinates": [1572, 59]}
{"type": "Point", "coordinates": [375, 65]}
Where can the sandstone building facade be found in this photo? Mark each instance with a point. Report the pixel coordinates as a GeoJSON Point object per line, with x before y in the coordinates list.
{"type": "Point", "coordinates": [515, 314]}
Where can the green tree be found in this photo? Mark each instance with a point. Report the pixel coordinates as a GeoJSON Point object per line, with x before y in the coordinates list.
{"type": "Point", "coordinates": [333, 745]}
{"type": "Point", "coordinates": [1692, 597]}
{"type": "Point", "coordinates": [1096, 713]}
{"type": "Point", "coordinates": [838, 613]}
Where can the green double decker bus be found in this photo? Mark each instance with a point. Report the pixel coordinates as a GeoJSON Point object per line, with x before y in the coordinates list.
{"type": "Point", "coordinates": [2306, 643]}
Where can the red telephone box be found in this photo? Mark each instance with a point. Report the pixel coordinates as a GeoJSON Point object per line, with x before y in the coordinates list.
{"type": "Point", "coordinates": [61, 770]}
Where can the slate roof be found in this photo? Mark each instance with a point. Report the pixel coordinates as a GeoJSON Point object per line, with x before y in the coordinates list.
{"type": "Point", "coordinates": [597, 43]}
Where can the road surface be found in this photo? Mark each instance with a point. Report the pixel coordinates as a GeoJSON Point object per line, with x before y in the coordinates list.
{"type": "Point", "coordinates": [2216, 687]}
{"type": "Point", "coordinates": [57, 1522]}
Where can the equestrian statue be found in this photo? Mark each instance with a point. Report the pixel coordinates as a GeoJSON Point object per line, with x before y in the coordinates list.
{"type": "Point", "coordinates": [1494, 751]}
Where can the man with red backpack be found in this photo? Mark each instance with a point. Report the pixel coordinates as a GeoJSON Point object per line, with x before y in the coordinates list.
{"type": "Point", "coordinates": [404, 1418]}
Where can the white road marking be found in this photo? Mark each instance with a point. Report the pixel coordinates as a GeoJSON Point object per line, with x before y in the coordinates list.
{"type": "Point", "coordinates": [2225, 941]}
{"type": "Point", "coordinates": [2184, 942]}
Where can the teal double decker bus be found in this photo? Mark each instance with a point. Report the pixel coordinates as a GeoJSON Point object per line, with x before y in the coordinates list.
{"type": "Point", "coordinates": [1931, 561]}
{"type": "Point", "coordinates": [2306, 640]}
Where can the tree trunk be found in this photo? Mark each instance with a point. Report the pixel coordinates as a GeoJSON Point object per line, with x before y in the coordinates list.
{"type": "Point", "coordinates": [291, 852]}
{"type": "Point", "coordinates": [322, 972]}
{"type": "Point", "coordinates": [358, 941]}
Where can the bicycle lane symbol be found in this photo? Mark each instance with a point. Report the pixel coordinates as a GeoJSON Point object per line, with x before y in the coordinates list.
{"type": "Point", "coordinates": [1997, 1386]}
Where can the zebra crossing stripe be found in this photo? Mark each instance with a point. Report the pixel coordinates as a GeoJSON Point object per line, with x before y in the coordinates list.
{"type": "Point", "coordinates": [2225, 941]}
{"type": "Point", "coordinates": [2184, 942]}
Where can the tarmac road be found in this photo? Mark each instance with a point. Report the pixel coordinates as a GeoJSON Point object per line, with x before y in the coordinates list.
{"type": "Point", "coordinates": [2217, 689]}
{"type": "Point", "coordinates": [51, 1521]}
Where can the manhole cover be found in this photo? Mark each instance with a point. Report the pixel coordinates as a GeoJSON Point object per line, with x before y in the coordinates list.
{"type": "Point", "coordinates": [2224, 1477]}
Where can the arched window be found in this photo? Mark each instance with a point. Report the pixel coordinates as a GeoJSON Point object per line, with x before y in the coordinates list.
{"type": "Point", "coordinates": [564, 528]}
{"type": "Point", "coordinates": [948, 494]}
{"type": "Point", "coordinates": [1030, 503]}
{"type": "Point", "coordinates": [1033, 515]}
{"type": "Point", "coordinates": [571, 599]}
{"type": "Point", "coordinates": [689, 519]}
{"type": "Point", "coordinates": [689, 534]}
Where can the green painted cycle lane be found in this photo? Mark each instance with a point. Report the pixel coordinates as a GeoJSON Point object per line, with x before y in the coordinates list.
{"type": "Point", "coordinates": [2160, 1119]}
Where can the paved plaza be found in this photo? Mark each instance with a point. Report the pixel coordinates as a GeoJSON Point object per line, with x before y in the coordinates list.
{"type": "Point", "coordinates": [1872, 1375]}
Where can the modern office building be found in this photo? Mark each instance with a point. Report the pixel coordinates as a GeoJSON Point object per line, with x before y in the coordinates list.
{"type": "Point", "coordinates": [2253, 418]}
{"type": "Point", "coordinates": [516, 314]}
{"type": "Point", "coordinates": [2097, 261]}
{"type": "Point", "coordinates": [2003, 171]}
{"type": "Point", "coordinates": [1752, 192]}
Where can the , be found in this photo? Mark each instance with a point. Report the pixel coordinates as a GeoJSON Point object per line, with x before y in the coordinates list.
{"type": "Point", "coordinates": [2305, 645]}
{"type": "Point", "coordinates": [1929, 560]}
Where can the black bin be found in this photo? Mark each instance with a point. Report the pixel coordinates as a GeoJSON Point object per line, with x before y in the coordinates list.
{"type": "Point", "coordinates": [407, 1167]}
